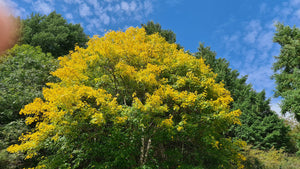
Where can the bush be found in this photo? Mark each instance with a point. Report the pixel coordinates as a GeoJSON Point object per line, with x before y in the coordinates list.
{"type": "Point", "coordinates": [271, 159]}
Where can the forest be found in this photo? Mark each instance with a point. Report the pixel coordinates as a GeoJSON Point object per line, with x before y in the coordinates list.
{"type": "Point", "coordinates": [137, 99]}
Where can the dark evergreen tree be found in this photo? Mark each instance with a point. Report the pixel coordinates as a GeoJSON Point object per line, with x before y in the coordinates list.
{"type": "Point", "coordinates": [261, 126]}
{"type": "Point", "coordinates": [52, 33]}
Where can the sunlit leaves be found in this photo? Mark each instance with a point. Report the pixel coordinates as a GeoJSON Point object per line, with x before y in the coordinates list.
{"type": "Point", "coordinates": [132, 96]}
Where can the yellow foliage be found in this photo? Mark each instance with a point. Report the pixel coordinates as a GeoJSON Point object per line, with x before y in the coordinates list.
{"type": "Point", "coordinates": [127, 68]}
{"type": "Point", "coordinates": [167, 122]}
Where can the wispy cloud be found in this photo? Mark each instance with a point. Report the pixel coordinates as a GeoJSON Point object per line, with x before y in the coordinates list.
{"type": "Point", "coordinates": [295, 2]}
{"type": "Point", "coordinates": [84, 10]}
{"type": "Point", "coordinates": [275, 106]}
{"type": "Point", "coordinates": [253, 28]}
{"type": "Point", "coordinates": [43, 7]}
{"type": "Point", "coordinates": [69, 16]}
{"type": "Point", "coordinates": [251, 50]}
{"type": "Point", "coordinates": [95, 15]}
{"type": "Point", "coordinates": [125, 6]}
{"type": "Point", "coordinates": [13, 8]}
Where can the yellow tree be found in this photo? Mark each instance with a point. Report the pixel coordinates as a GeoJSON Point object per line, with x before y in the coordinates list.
{"type": "Point", "coordinates": [130, 100]}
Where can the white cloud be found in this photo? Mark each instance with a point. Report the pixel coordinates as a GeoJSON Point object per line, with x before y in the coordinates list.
{"type": "Point", "coordinates": [105, 18]}
{"type": "Point", "coordinates": [94, 3]}
{"type": "Point", "coordinates": [251, 37]}
{"type": "Point", "coordinates": [286, 11]}
{"type": "Point", "coordinates": [250, 55]}
{"type": "Point", "coordinates": [109, 8]}
{"type": "Point", "coordinates": [77, 1]}
{"type": "Point", "coordinates": [265, 40]}
{"type": "Point", "coordinates": [125, 6]}
{"type": "Point", "coordinates": [117, 7]}
{"type": "Point", "coordinates": [94, 15]}
{"type": "Point", "coordinates": [259, 77]}
{"type": "Point", "coordinates": [133, 6]}
{"type": "Point", "coordinates": [43, 7]}
{"type": "Point", "coordinates": [232, 43]}
{"type": "Point", "coordinates": [295, 2]}
{"type": "Point", "coordinates": [68, 1]}
{"type": "Point", "coordinates": [231, 38]}
{"type": "Point", "coordinates": [297, 13]}
{"type": "Point", "coordinates": [148, 7]}
{"type": "Point", "coordinates": [276, 107]}
{"type": "Point", "coordinates": [254, 25]}
{"type": "Point", "coordinates": [252, 30]}
{"type": "Point", "coordinates": [84, 10]}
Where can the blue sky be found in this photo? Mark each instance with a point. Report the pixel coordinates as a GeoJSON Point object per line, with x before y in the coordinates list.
{"type": "Point", "coordinates": [239, 30]}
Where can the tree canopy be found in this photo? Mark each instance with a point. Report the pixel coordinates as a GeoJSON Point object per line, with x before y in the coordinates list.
{"type": "Point", "coordinates": [287, 69]}
{"type": "Point", "coordinates": [52, 33]}
{"type": "Point", "coordinates": [136, 100]}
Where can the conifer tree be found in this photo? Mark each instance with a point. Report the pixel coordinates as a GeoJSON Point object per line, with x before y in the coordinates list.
{"type": "Point", "coordinates": [261, 126]}
{"type": "Point", "coordinates": [287, 69]}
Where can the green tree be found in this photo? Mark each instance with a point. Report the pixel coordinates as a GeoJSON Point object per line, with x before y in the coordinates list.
{"type": "Point", "coordinates": [52, 33]}
{"type": "Point", "coordinates": [169, 35]}
{"type": "Point", "coordinates": [131, 100]}
{"type": "Point", "coordinates": [287, 69]}
{"type": "Point", "coordinates": [152, 28]}
{"type": "Point", "coordinates": [24, 71]}
{"type": "Point", "coordinates": [261, 126]}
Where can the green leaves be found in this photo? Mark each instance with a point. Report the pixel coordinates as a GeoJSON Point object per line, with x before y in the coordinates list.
{"type": "Point", "coordinates": [52, 33]}
{"type": "Point", "coordinates": [23, 73]}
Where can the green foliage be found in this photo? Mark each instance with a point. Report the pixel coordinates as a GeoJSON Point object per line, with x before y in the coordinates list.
{"type": "Point", "coordinates": [287, 69]}
{"type": "Point", "coordinates": [23, 74]}
{"type": "Point", "coordinates": [52, 33]}
{"type": "Point", "coordinates": [152, 28]}
{"type": "Point", "coordinates": [24, 71]}
{"type": "Point", "coordinates": [260, 127]}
